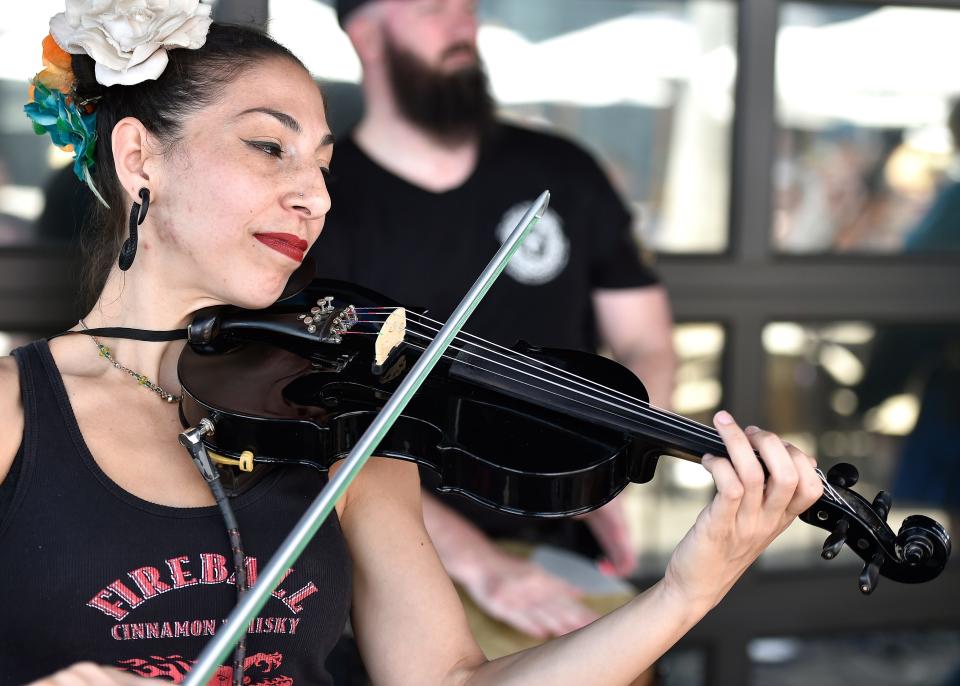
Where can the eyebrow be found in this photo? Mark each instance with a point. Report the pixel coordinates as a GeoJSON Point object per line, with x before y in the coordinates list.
{"type": "Point", "coordinates": [287, 121]}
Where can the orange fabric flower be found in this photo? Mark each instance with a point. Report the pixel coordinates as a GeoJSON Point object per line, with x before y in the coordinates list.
{"type": "Point", "coordinates": [58, 72]}
{"type": "Point", "coordinates": [55, 56]}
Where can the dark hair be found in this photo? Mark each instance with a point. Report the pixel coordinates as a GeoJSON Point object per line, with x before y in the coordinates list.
{"type": "Point", "coordinates": [192, 80]}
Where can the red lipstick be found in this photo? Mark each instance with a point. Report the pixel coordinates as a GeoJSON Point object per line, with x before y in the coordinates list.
{"type": "Point", "coordinates": [284, 243]}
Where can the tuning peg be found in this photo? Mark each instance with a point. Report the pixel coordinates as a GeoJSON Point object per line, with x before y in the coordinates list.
{"type": "Point", "coordinates": [917, 550]}
{"type": "Point", "coordinates": [917, 539]}
{"type": "Point", "coordinates": [843, 475]}
{"type": "Point", "coordinates": [882, 503]}
{"type": "Point", "coordinates": [871, 574]}
{"type": "Point", "coordinates": [834, 543]}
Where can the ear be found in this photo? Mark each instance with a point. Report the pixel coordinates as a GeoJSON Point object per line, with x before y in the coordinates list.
{"type": "Point", "coordinates": [366, 33]}
{"type": "Point", "coordinates": [131, 156]}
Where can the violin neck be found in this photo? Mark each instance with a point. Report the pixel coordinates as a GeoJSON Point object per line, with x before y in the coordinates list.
{"type": "Point", "coordinates": [679, 433]}
{"type": "Point", "coordinates": [608, 408]}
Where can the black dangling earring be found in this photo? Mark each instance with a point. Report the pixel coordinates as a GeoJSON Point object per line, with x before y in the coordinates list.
{"type": "Point", "coordinates": [138, 212]}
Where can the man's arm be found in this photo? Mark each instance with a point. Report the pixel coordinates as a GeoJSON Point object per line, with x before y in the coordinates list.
{"type": "Point", "coordinates": [636, 325]}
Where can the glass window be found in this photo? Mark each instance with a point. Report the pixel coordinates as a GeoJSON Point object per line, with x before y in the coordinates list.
{"type": "Point", "coordinates": [683, 667]}
{"type": "Point", "coordinates": [884, 398]}
{"type": "Point", "coordinates": [11, 339]}
{"type": "Point", "coordinates": [26, 159]}
{"type": "Point", "coordinates": [644, 84]}
{"type": "Point", "coordinates": [892, 658]}
{"type": "Point", "coordinates": [869, 127]}
{"type": "Point", "coordinates": [662, 511]}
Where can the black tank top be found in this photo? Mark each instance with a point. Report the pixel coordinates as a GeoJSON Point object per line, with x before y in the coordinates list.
{"type": "Point", "coordinates": [90, 572]}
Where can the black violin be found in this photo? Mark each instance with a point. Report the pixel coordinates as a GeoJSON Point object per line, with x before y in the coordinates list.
{"type": "Point", "coordinates": [535, 431]}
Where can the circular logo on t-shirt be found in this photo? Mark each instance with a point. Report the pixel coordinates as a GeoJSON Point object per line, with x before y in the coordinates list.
{"type": "Point", "coordinates": [545, 251]}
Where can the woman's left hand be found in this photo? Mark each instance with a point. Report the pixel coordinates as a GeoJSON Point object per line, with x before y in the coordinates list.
{"type": "Point", "coordinates": [747, 513]}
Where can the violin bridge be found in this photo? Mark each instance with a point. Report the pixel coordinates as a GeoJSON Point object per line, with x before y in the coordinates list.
{"type": "Point", "coordinates": [390, 336]}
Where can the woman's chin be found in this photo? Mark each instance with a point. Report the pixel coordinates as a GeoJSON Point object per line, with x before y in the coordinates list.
{"type": "Point", "coordinates": [263, 295]}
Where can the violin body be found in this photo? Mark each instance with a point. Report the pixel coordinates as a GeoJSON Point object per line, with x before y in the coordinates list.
{"type": "Point", "coordinates": [527, 430]}
{"type": "Point", "coordinates": [292, 402]}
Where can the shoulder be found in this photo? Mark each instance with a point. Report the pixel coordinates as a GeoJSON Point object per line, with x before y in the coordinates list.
{"type": "Point", "coordinates": [11, 414]}
{"type": "Point", "coordinates": [541, 141]}
{"type": "Point", "coordinates": [385, 494]}
{"type": "Point", "coordinates": [383, 482]}
{"type": "Point", "coordinates": [550, 154]}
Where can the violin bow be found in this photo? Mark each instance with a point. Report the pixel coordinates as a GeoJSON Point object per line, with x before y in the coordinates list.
{"type": "Point", "coordinates": [267, 580]}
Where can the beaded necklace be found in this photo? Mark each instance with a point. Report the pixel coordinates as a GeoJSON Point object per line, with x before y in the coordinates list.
{"type": "Point", "coordinates": [141, 379]}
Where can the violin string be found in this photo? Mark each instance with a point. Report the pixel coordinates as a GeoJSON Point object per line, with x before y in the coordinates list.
{"type": "Point", "coordinates": [692, 428]}
{"type": "Point", "coordinates": [828, 490]}
{"type": "Point", "coordinates": [538, 364]}
{"type": "Point", "coordinates": [515, 380]}
{"type": "Point", "coordinates": [832, 493]}
{"type": "Point", "coordinates": [643, 414]}
{"type": "Point", "coordinates": [697, 428]}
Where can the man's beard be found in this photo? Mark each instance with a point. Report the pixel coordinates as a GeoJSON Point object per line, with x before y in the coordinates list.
{"type": "Point", "coordinates": [453, 107]}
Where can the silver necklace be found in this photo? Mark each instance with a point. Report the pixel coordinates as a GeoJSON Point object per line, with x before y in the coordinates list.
{"type": "Point", "coordinates": [141, 379]}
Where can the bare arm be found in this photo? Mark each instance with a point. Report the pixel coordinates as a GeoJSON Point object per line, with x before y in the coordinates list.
{"type": "Point", "coordinates": [637, 326]}
{"type": "Point", "coordinates": [11, 414]}
{"type": "Point", "coordinates": [409, 623]}
{"type": "Point", "coordinates": [401, 590]}
{"type": "Point", "coordinates": [746, 514]}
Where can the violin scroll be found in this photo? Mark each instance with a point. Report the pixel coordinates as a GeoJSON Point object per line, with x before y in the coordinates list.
{"type": "Point", "coordinates": [917, 553]}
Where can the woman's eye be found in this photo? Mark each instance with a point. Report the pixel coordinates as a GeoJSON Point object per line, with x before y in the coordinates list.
{"type": "Point", "coordinates": [268, 147]}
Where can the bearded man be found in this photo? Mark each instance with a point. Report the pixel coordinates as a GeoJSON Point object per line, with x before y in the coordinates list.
{"type": "Point", "coordinates": [424, 190]}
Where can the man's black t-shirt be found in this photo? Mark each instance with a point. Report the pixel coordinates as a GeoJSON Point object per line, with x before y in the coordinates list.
{"type": "Point", "coordinates": [426, 249]}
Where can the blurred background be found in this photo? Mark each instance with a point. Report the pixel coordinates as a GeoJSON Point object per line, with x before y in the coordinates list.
{"type": "Point", "coordinates": [793, 169]}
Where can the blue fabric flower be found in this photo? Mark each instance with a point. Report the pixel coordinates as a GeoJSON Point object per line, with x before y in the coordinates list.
{"type": "Point", "coordinates": [52, 112]}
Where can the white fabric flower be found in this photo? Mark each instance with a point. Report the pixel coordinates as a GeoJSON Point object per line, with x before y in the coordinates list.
{"type": "Point", "coordinates": [128, 39]}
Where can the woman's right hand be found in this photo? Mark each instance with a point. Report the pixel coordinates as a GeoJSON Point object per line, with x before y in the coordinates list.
{"type": "Point", "coordinates": [89, 674]}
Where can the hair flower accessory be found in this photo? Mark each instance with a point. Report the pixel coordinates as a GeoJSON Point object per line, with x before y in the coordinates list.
{"type": "Point", "coordinates": [58, 68]}
{"type": "Point", "coordinates": [53, 109]}
{"type": "Point", "coordinates": [55, 112]}
{"type": "Point", "coordinates": [128, 39]}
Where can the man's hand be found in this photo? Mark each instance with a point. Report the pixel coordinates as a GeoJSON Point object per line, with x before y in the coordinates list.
{"type": "Point", "coordinates": [512, 589]}
{"type": "Point", "coordinates": [527, 597]}
{"type": "Point", "coordinates": [609, 526]}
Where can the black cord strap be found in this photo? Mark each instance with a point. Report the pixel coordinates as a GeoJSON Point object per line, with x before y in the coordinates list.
{"type": "Point", "coordinates": [132, 334]}
{"type": "Point", "coordinates": [192, 440]}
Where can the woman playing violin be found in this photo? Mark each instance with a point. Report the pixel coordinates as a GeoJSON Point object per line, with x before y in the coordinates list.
{"type": "Point", "coordinates": [114, 556]}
